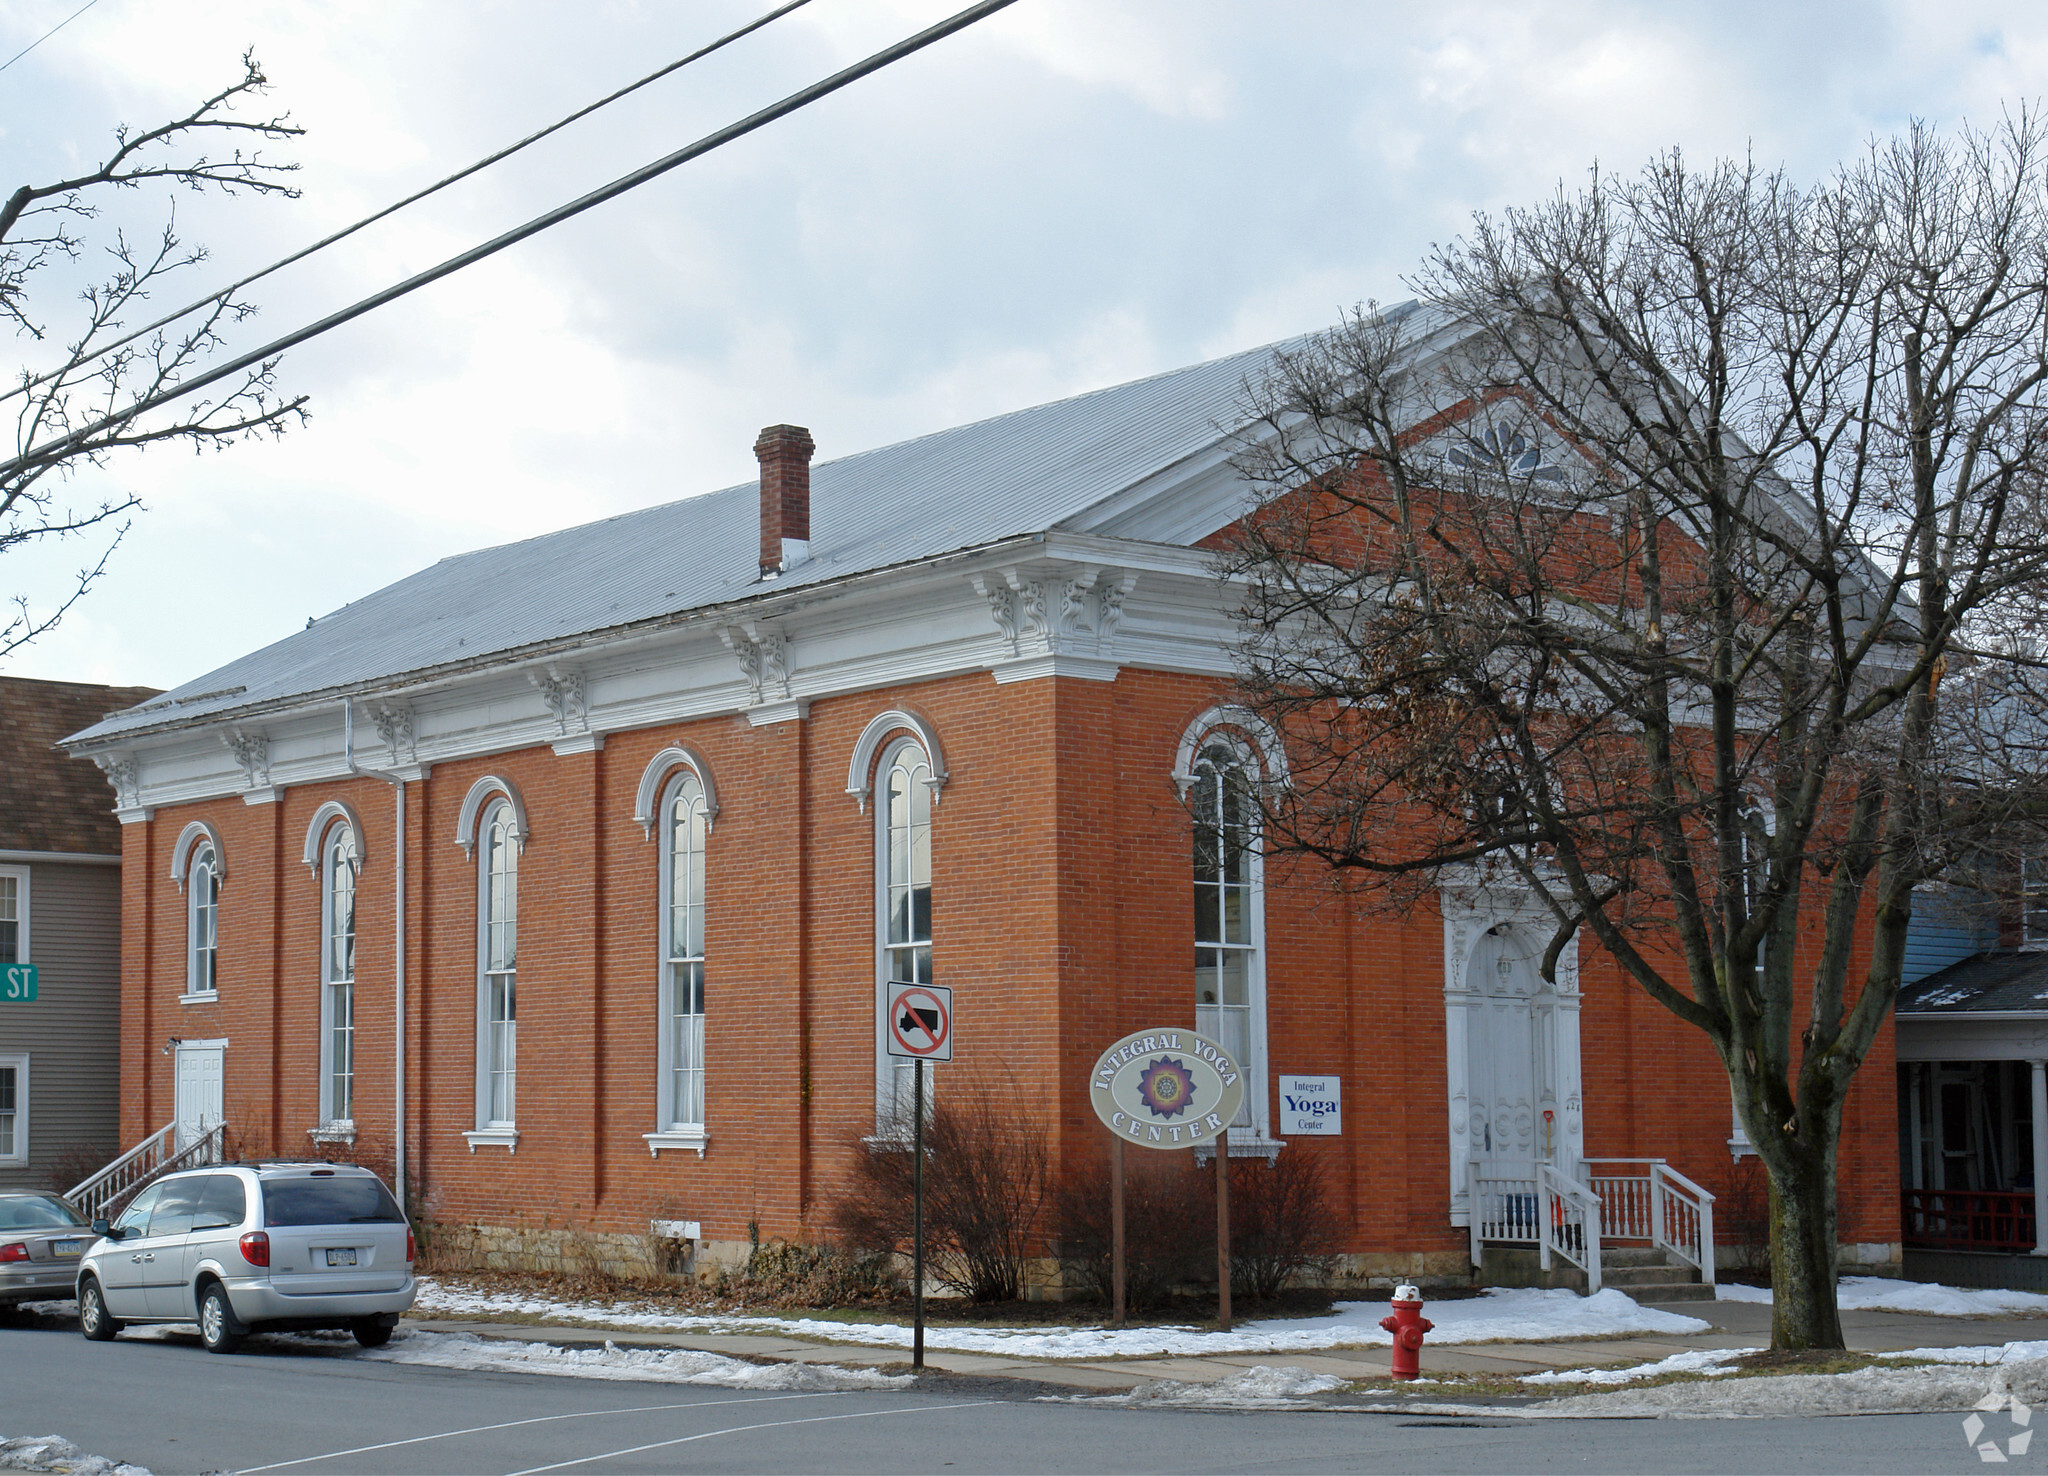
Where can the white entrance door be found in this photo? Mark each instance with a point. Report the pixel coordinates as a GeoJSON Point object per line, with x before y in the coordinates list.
{"type": "Point", "coordinates": [1508, 1072]}
{"type": "Point", "coordinates": [199, 1088]}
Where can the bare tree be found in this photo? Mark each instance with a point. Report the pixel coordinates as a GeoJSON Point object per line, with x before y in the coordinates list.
{"type": "Point", "coordinates": [74, 401]}
{"type": "Point", "coordinates": [1677, 560]}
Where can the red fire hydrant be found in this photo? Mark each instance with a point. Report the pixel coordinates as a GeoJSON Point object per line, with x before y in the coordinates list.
{"type": "Point", "coordinates": [1407, 1324]}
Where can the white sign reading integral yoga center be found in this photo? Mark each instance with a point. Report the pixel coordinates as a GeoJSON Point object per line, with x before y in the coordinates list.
{"type": "Point", "coordinates": [1312, 1106]}
{"type": "Point", "coordinates": [1166, 1089]}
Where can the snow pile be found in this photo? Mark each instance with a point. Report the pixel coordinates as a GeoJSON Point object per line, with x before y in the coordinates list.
{"type": "Point", "coordinates": [1708, 1361]}
{"type": "Point", "coordinates": [1984, 1354]}
{"type": "Point", "coordinates": [1943, 1388]}
{"type": "Point", "coordinates": [673, 1366]}
{"type": "Point", "coordinates": [1883, 1294]}
{"type": "Point", "coordinates": [646, 1365]}
{"type": "Point", "coordinates": [55, 1453]}
{"type": "Point", "coordinates": [1251, 1388]}
{"type": "Point", "coordinates": [1500, 1315]}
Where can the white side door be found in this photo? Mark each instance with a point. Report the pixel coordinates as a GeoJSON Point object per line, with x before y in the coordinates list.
{"type": "Point", "coordinates": [199, 1088]}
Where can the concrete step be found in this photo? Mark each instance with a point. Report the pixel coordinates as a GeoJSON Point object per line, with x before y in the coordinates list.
{"type": "Point", "coordinates": [1664, 1291]}
{"type": "Point", "coordinates": [1639, 1275]}
{"type": "Point", "coordinates": [1634, 1255]}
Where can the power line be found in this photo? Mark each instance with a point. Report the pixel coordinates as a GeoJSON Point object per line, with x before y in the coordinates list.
{"type": "Point", "coordinates": [89, 4]}
{"type": "Point", "coordinates": [412, 199]}
{"type": "Point", "coordinates": [796, 100]}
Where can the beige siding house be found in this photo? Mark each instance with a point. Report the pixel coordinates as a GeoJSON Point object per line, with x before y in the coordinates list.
{"type": "Point", "coordinates": [60, 911]}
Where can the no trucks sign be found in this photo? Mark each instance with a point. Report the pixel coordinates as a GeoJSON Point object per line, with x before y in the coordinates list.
{"type": "Point", "coordinates": [1166, 1089]}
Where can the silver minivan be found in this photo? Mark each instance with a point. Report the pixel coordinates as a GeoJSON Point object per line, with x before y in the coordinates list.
{"type": "Point", "coordinates": [242, 1248]}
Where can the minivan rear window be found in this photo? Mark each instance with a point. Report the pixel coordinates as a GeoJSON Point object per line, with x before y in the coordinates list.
{"type": "Point", "coordinates": [337, 1201]}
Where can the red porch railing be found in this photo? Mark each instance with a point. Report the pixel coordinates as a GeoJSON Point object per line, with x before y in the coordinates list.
{"type": "Point", "coordinates": [1968, 1219]}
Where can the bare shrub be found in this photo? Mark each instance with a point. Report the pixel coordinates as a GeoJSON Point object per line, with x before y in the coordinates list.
{"type": "Point", "coordinates": [986, 1177]}
{"type": "Point", "coordinates": [785, 1274]}
{"type": "Point", "coordinates": [1280, 1223]}
{"type": "Point", "coordinates": [1169, 1229]}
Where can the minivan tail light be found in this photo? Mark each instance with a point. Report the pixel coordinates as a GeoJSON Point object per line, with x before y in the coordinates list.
{"type": "Point", "coordinates": [256, 1248]}
{"type": "Point", "coordinates": [19, 1250]}
{"type": "Point", "coordinates": [412, 1249]}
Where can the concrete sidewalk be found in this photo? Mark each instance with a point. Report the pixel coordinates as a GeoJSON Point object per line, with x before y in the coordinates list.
{"type": "Point", "coordinates": [1735, 1325]}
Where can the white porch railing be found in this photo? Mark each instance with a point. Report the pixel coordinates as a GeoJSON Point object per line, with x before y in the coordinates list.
{"type": "Point", "coordinates": [1647, 1199]}
{"type": "Point", "coordinates": [152, 1156]}
{"type": "Point", "coordinates": [1548, 1209]}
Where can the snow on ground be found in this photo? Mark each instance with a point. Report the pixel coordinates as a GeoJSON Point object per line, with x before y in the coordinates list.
{"type": "Point", "coordinates": [1983, 1355]}
{"type": "Point", "coordinates": [55, 1453]}
{"type": "Point", "coordinates": [1706, 1361]}
{"type": "Point", "coordinates": [1500, 1315]}
{"type": "Point", "coordinates": [645, 1365]}
{"type": "Point", "coordinates": [1252, 1388]}
{"type": "Point", "coordinates": [1884, 1294]}
{"type": "Point", "coordinates": [1951, 1387]}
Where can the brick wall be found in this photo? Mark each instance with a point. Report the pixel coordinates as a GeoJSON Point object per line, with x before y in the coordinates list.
{"type": "Point", "coordinates": [1061, 920]}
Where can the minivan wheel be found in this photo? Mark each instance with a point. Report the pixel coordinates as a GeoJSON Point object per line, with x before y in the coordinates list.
{"type": "Point", "coordinates": [93, 1318]}
{"type": "Point", "coordinates": [371, 1333]}
{"type": "Point", "coordinates": [217, 1326]}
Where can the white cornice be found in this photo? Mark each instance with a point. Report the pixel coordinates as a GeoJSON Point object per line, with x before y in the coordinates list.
{"type": "Point", "coordinates": [1088, 606]}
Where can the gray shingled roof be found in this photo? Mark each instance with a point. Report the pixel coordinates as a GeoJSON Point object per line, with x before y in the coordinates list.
{"type": "Point", "coordinates": [1984, 982]}
{"type": "Point", "coordinates": [1016, 474]}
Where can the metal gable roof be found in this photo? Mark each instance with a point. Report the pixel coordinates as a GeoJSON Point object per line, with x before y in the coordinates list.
{"type": "Point", "coordinates": [1016, 474]}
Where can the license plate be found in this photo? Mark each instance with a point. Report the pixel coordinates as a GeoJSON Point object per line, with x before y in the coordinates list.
{"type": "Point", "coordinates": [341, 1257]}
{"type": "Point", "coordinates": [66, 1247]}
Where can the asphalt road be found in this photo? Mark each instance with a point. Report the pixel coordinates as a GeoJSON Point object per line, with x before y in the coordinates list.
{"type": "Point", "coordinates": [288, 1408]}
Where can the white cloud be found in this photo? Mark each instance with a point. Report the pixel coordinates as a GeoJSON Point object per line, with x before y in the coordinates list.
{"type": "Point", "coordinates": [1071, 194]}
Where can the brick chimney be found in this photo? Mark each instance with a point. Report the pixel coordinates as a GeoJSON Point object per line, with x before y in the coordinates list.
{"type": "Point", "coordinates": [785, 455]}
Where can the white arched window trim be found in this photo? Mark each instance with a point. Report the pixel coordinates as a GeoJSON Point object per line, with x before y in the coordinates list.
{"type": "Point", "coordinates": [478, 800]}
{"type": "Point", "coordinates": [188, 841]}
{"type": "Point", "coordinates": [1255, 745]}
{"type": "Point", "coordinates": [1252, 736]}
{"type": "Point", "coordinates": [331, 813]}
{"type": "Point", "coordinates": [860, 771]}
{"type": "Point", "coordinates": [654, 782]}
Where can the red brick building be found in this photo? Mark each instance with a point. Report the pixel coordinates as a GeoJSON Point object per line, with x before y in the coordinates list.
{"type": "Point", "coordinates": [570, 872]}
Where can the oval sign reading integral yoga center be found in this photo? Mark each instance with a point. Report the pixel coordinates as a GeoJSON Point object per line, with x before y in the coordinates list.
{"type": "Point", "coordinates": [1166, 1089]}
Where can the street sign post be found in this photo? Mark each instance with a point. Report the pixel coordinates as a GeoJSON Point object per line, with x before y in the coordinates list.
{"type": "Point", "coordinates": [1168, 1089]}
{"type": "Point", "coordinates": [17, 983]}
{"type": "Point", "coordinates": [918, 1026]}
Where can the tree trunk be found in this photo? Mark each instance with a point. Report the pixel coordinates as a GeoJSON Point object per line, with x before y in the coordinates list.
{"type": "Point", "coordinates": [1804, 1313]}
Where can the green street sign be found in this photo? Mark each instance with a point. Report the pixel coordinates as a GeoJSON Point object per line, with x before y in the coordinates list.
{"type": "Point", "coordinates": [17, 983]}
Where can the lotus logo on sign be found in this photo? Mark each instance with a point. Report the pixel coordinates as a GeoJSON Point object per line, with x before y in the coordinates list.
{"type": "Point", "coordinates": [1166, 1089]}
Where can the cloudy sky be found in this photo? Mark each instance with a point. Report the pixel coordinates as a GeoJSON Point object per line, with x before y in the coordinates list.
{"type": "Point", "coordinates": [1074, 193]}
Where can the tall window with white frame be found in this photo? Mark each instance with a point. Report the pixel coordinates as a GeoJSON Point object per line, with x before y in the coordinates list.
{"type": "Point", "coordinates": [14, 1109]}
{"type": "Point", "coordinates": [202, 918]}
{"type": "Point", "coordinates": [498, 969]}
{"type": "Point", "coordinates": [904, 902]}
{"type": "Point", "coordinates": [13, 915]}
{"type": "Point", "coordinates": [684, 828]}
{"type": "Point", "coordinates": [340, 863]}
{"type": "Point", "coordinates": [1228, 924]}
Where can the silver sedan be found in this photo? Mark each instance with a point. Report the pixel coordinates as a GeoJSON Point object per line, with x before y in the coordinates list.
{"type": "Point", "coordinates": [41, 1238]}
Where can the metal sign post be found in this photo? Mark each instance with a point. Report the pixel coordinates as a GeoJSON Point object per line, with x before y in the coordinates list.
{"type": "Point", "coordinates": [918, 1028]}
{"type": "Point", "coordinates": [1168, 1089]}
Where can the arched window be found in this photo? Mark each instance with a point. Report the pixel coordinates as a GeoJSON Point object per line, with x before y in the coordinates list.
{"type": "Point", "coordinates": [202, 921]}
{"type": "Point", "coordinates": [340, 864]}
{"type": "Point", "coordinates": [497, 993]}
{"type": "Point", "coordinates": [903, 908]}
{"type": "Point", "coordinates": [1229, 915]}
{"type": "Point", "coordinates": [685, 824]}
